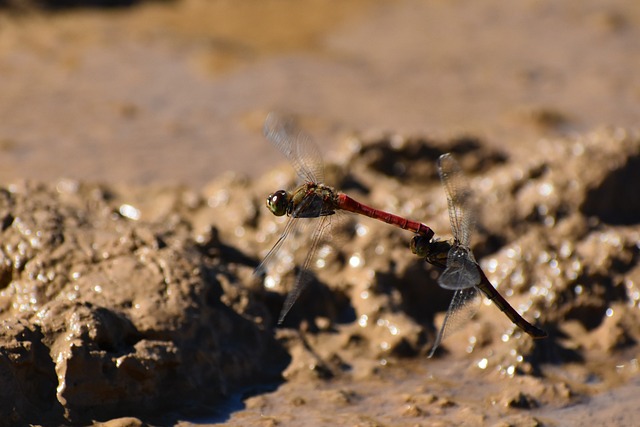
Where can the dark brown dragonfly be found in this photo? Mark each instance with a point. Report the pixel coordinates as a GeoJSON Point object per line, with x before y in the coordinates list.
{"type": "Point", "coordinates": [462, 273]}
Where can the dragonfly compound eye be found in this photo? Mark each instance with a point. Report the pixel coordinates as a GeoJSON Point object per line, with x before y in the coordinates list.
{"type": "Point", "coordinates": [278, 202]}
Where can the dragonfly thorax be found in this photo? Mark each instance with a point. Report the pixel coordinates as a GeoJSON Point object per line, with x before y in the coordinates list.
{"type": "Point", "coordinates": [433, 251]}
{"type": "Point", "coordinates": [278, 202]}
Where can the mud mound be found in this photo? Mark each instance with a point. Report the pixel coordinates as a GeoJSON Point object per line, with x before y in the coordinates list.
{"type": "Point", "coordinates": [106, 316]}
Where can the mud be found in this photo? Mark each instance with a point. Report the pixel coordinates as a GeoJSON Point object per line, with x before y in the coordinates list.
{"type": "Point", "coordinates": [564, 263]}
{"type": "Point", "coordinates": [141, 302]}
{"type": "Point", "coordinates": [133, 176]}
{"type": "Point", "coordinates": [105, 315]}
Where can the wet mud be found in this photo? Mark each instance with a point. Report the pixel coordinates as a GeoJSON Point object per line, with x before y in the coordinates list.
{"type": "Point", "coordinates": [142, 302]}
{"type": "Point", "coordinates": [105, 315]}
{"type": "Point", "coordinates": [127, 299]}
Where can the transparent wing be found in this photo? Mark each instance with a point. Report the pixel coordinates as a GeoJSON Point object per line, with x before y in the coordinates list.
{"type": "Point", "coordinates": [296, 145]}
{"type": "Point", "coordinates": [463, 306]}
{"type": "Point", "coordinates": [460, 200]}
{"type": "Point", "coordinates": [290, 229]}
{"type": "Point", "coordinates": [462, 270]}
{"type": "Point", "coordinates": [304, 276]}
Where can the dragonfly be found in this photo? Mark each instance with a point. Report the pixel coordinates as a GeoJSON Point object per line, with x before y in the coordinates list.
{"type": "Point", "coordinates": [312, 199]}
{"type": "Point", "coordinates": [462, 273]}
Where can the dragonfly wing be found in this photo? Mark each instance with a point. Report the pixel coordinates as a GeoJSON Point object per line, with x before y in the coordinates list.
{"type": "Point", "coordinates": [462, 270]}
{"type": "Point", "coordinates": [290, 229]}
{"type": "Point", "coordinates": [296, 145]}
{"type": "Point", "coordinates": [460, 199]}
{"type": "Point", "coordinates": [304, 276]}
{"type": "Point", "coordinates": [463, 306]}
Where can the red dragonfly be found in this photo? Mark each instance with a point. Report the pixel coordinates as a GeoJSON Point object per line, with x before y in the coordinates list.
{"type": "Point", "coordinates": [312, 199]}
{"type": "Point", "coordinates": [462, 273]}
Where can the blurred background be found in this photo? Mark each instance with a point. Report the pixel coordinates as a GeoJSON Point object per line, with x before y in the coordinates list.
{"type": "Point", "coordinates": [176, 91]}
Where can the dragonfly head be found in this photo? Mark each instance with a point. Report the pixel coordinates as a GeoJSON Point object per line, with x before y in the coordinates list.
{"type": "Point", "coordinates": [433, 251]}
{"type": "Point", "coordinates": [278, 202]}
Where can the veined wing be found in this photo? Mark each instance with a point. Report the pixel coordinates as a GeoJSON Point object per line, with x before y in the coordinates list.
{"type": "Point", "coordinates": [463, 306]}
{"type": "Point", "coordinates": [304, 276]}
{"type": "Point", "coordinates": [460, 201]}
{"type": "Point", "coordinates": [290, 229]}
{"type": "Point", "coordinates": [296, 145]}
{"type": "Point", "coordinates": [462, 270]}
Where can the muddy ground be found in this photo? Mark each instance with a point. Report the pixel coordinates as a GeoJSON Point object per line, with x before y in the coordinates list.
{"type": "Point", "coordinates": [143, 302]}
{"type": "Point", "coordinates": [132, 213]}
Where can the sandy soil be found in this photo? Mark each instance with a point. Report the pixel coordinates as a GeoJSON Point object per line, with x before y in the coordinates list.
{"type": "Point", "coordinates": [132, 213]}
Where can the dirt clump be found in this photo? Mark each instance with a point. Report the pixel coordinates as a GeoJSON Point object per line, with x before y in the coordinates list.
{"type": "Point", "coordinates": [104, 315]}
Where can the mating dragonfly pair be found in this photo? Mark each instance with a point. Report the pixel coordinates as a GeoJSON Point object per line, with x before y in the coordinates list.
{"type": "Point", "coordinates": [313, 199]}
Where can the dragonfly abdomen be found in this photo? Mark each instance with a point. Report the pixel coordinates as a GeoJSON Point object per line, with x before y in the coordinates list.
{"type": "Point", "coordinates": [346, 203]}
{"type": "Point", "coordinates": [493, 295]}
